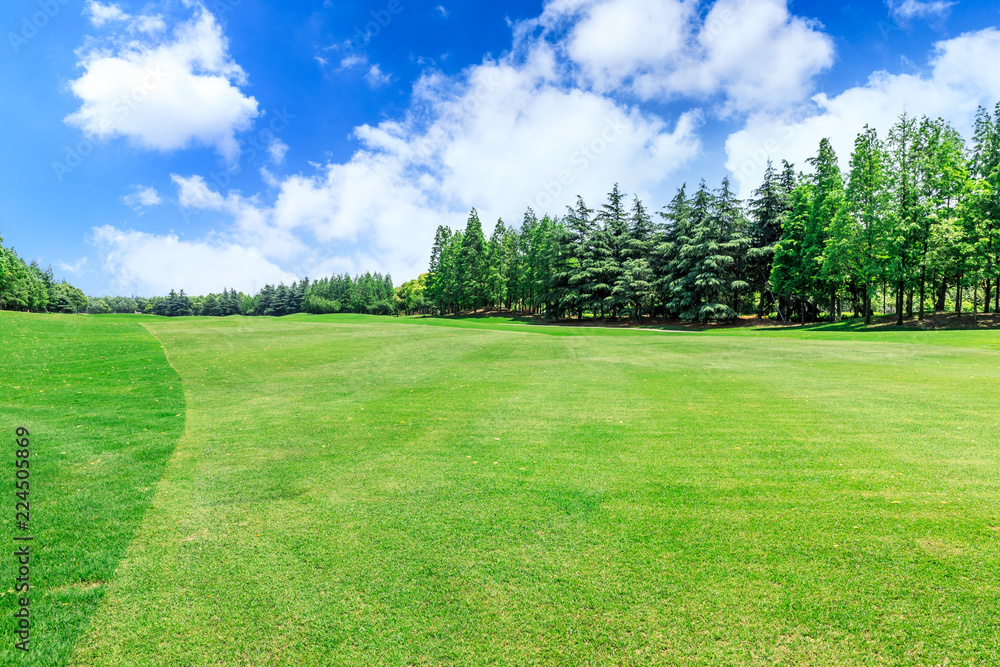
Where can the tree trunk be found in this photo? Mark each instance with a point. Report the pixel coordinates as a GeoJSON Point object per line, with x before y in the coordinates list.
{"type": "Point", "coordinates": [868, 306]}
{"type": "Point", "coordinates": [941, 295]}
{"type": "Point", "coordinates": [958, 296]}
{"type": "Point", "coordinates": [833, 304]}
{"type": "Point", "coordinates": [909, 303]}
{"type": "Point", "coordinates": [923, 285]}
{"type": "Point", "coordinates": [975, 303]}
{"type": "Point", "coordinates": [900, 295]}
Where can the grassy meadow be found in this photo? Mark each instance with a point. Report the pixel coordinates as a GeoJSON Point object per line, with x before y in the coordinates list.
{"type": "Point", "coordinates": [352, 490]}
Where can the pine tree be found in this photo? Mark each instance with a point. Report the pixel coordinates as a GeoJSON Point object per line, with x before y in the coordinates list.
{"type": "Point", "coordinates": [634, 285]}
{"type": "Point", "coordinates": [496, 262]}
{"type": "Point", "coordinates": [789, 274]}
{"type": "Point", "coordinates": [609, 250]}
{"type": "Point", "coordinates": [770, 205]}
{"type": "Point", "coordinates": [437, 277]}
{"type": "Point", "coordinates": [579, 226]}
{"type": "Point", "coordinates": [825, 279]}
{"type": "Point", "coordinates": [665, 253]}
{"type": "Point", "coordinates": [734, 238]}
{"type": "Point", "coordinates": [904, 213]}
{"type": "Point", "coordinates": [472, 264]}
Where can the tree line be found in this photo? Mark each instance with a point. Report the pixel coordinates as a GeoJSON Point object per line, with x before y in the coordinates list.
{"type": "Point", "coordinates": [367, 294]}
{"type": "Point", "coordinates": [912, 225]}
{"type": "Point", "coordinates": [27, 287]}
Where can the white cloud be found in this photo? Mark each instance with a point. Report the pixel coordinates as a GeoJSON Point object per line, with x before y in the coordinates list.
{"type": "Point", "coordinates": [376, 77]}
{"type": "Point", "coordinates": [77, 268]}
{"type": "Point", "coordinates": [910, 9]}
{"type": "Point", "coordinates": [353, 60]}
{"type": "Point", "coordinates": [193, 192]}
{"type": "Point", "coordinates": [150, 24]}
{"type": "Point", "coordinates": [152, 264]}
{"type": "Point", "coordinates": [252, 222]}
{"type": "Point", "coordinates": [101, 14]}
{"type": "Point", "coordinates": [143, 197]}
{"type": "Point", "coordinates": [277, 150]}
{"type": "Point", "coordinates": [755, 54]}
{"type": "Point", "coordinates": [442, 11]}
{"type": "Point", "coordinates": [165, 94]}
{"type": "Point", "coordinates": [962, 76]}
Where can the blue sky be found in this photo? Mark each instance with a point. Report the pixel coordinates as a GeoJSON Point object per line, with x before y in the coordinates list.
{"type": "Point", "coordinates": [229, 143]}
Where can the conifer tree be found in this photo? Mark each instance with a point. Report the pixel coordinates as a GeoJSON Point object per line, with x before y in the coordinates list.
{"type": "Point", "coordinates": [825, 278]}
{"type": "Point", "coordinates": [904, 214]}
{"type": "Point", "coordinates": [770, 204]}
{"type": "Point", "coordinates": [472, 264]}
{"type": "Point", "coordinates": [857, 247]}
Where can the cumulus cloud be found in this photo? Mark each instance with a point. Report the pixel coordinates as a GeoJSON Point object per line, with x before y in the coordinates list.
{"type": "Point", "coordinates": [143, 197]}
{"type": "Point", "coordinates": [153, 264]}
{"type": "Point", "coordinates": [165, 92]}
{"type": "Point", "coordinates": [752, 53]}
{"type": "Point", "coordinates": [961, 77]}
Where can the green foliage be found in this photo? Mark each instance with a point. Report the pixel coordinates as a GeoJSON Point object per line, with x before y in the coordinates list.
{"type": "Point", "coordinates": [26, 287]}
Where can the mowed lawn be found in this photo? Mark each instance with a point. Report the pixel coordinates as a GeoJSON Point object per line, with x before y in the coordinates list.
{"type": "Point", "coordinates": [354, 490]}
{"type": "Point", "coordinates": [104, 411]}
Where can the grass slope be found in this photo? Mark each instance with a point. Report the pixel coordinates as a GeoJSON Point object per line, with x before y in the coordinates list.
{"type": "Point", "coordinates": [104, 410]}
{"type": "Point", "coordinates": [354, 490]}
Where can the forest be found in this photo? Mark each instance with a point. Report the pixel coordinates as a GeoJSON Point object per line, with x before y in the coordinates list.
{"type": "Point", "coordinates": [27, 287]}
{"type": "Point", "coordinates": [366, 294]}
{"type": "Point", "coordinates": [913, 226]}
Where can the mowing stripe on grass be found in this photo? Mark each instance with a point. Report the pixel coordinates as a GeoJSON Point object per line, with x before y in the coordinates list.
{"type": "Point", "coordinates": [105, 410]}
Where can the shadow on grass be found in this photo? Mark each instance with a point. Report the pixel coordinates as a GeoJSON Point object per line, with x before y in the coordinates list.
{"type": "Point", "coordinates": [515, 317]}
{"type": "Point", "coordinates": [888, 324]}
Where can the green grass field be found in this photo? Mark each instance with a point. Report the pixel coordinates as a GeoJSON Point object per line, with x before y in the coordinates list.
{"type": "Point", "coordinates": [351, 490]}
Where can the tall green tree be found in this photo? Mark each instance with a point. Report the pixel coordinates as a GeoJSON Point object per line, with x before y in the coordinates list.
{"type": "Point", "coordinates": [770, 203]}
{"type": "Point", "coordinates": [857, 246]}
{"type": "Point", "coordinates": [472, 264]}
{"type": "Point", "coordinates": [903, 228]}
{"type": "Point", "coordinates": [825, 278]}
